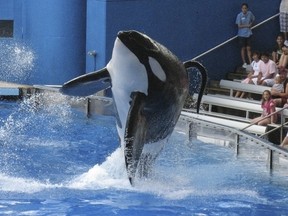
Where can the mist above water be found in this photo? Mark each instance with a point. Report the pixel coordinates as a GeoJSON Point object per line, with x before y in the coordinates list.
{"type": "Point", "coordinates": [16, 61]}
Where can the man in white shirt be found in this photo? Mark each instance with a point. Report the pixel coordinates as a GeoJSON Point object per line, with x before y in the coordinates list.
{"type": "Point", "coordinates": [268, 71]}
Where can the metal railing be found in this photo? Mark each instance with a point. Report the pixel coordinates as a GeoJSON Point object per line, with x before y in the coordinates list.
{"type": "Point", "coordinates": [240, 140]}
{"type": "Point", "coordinates": [233, 38]}
{"type": "Point", "coordinates": [283, 123]}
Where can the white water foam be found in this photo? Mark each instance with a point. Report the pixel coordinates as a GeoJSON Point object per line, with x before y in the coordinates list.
{"type": "Point", "coordinates": [111, 173]}
{"type": "Point", "coordinates": [22, 185]}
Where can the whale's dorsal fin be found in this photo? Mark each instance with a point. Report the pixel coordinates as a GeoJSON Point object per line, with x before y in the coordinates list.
{"type": "Point", "coordinates": [87, 84]}
{"type": "Point", "coordinates": [204, 78]}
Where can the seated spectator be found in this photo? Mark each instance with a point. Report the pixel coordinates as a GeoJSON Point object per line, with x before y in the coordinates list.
{"type": "Point", "coordinates": [277, 51]}
{"type": "Point", "coordinates": [283, 61]}
{"type": "Point", "coordinates": [278, 85]}
{"type": "Point", "coordinates": [253, 74]}
{"type": "Point", "coordinates": [280, 98]}
{"type": "Point", "coordinates": [268, 71]}
{"type": "Point", "coordinates": [268, 107]}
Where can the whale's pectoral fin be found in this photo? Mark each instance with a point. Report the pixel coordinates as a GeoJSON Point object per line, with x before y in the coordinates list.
{"type": "Point", "coordinates": [204, 78]}
{"type": "Point", "coordinates": [135, 133]}
{"type": "Point", "coordinates": [87, 84]}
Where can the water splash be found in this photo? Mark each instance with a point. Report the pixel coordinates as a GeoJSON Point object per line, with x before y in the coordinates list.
{"type": "Point", "coordinates": [18, 129]}
{"type": "Point", "coordinates": [111, 173]}
{"type": "Point", "coordinates": [22, 185]}
{"type": "Point", "coordinates": [39, 107]}
{"type": "Point", "coordinates": [17, 61]}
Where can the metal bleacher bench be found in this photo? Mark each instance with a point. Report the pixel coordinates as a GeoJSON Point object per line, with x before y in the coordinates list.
{"type": "Point", "coordinates": [248, 107]}
{"type": "Point", "coordinates": [238, 86]}
{"type": "Point", "coordinates": [230, 102]}
{"type": "Point", "coordinates": [233, 120]}
{"type": "Point", "coordinates": [255, 129]}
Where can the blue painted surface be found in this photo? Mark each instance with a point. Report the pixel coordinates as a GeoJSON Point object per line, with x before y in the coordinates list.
{"type": "Point", "coordinates": [189, 28]}
{"type": "Point", "coordinates": [56, 31]}
{"type": "Point", "coordinates": [9, 91]}
{"type": "Point", "coordinates": [96, 33]}
{"type": "Point", "coordinates": [6, 9]}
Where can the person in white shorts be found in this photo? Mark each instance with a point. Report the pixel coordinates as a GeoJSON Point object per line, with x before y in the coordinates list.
{"type": "Point", "coordinates": [253, 72]}
{"type": "Point", "coordinates": [268, 71]}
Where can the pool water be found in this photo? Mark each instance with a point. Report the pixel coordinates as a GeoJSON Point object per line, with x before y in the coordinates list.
{"type": "Point", "coordinates": [56, 161]}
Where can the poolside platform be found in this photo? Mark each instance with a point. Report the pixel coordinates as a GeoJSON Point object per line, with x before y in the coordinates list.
{"type": "Point", "coordinates": [10, 90]}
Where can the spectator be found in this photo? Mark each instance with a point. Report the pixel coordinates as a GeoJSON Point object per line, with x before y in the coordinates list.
{"type": "Point", "coordinates": [283, 18]}
{"type": "Point", "coordinates": [268, 107]}
{"type": "Point", "coordinates": [283, 61]}
{"type": "Point", "coordinates": [253, 74]}
{"type": "Point", "coordinates": [244, 21]}
{"type": "Point", "coordinates": [280, 98]}
{"type": "Point", "coordinates": [268, 71]}
{"type": "Point", "coordinates": [277, 51]}
{"type": "Point", "coordinates": [278, 85]}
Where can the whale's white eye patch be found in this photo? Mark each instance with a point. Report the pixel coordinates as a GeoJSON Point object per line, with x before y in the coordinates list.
{"type": "Point", "coordinates": [157, 69]}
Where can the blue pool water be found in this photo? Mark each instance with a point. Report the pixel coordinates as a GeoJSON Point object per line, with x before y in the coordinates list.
{"type": "Point", "coordinates": [55, 161]}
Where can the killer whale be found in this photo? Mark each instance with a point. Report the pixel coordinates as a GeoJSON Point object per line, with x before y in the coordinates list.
{"type": "Point", "coordinates": [149, 86]}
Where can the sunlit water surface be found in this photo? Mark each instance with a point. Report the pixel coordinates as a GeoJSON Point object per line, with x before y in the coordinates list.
{"type": "Point", "coordinates": [56, 161]}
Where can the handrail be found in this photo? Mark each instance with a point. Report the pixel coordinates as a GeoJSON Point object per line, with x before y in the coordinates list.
{"type": "Point", "coordinates": [263, 118]}
{"type": "Point", "coordinates": [220, 127]}
{"type": "Point", "coordinates": [254, 123]}
{"type": "Point", "coordinates": [274, 129]}
{"type": "Point", "coordinates": [227, 41]}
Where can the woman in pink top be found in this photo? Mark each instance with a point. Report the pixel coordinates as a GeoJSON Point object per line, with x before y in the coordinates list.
{"type": "Point", "coordinates": [268, 107]}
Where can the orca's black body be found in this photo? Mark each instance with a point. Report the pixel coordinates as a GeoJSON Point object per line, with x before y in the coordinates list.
{"type": "Point", "coordinates": [149, 87]}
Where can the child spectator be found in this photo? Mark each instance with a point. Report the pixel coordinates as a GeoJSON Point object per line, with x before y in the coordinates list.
{"type": "Point", "coordinates": [268, 107]}
{"type": "Point", "coordinates": [283, 61]}
{"type": "Point", "coordinates": [278, 86]}
{"type": "Point", "coordinates": [280, 98]}
{"type": "Point", "coordinates": [244, 21]}
{"type": "Point", "coordinates": [277, 51]}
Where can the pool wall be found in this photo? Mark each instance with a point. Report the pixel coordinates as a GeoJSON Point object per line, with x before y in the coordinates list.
{"type": "Point", "coordinates": [71, 37]}
{"type": "Point", "coordinates": [244, 144]}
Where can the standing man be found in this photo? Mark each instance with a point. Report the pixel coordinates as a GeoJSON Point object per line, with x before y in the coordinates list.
{"type": "Point", "coordinates": [244, 21]}
{"type": "Point", "coordinates": [283, 18]}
